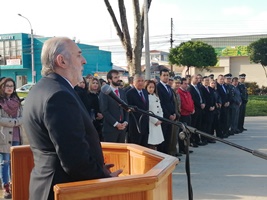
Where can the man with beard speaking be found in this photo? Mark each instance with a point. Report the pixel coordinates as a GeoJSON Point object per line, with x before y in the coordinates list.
{"type": "Point", "coordinates": [115, 117]}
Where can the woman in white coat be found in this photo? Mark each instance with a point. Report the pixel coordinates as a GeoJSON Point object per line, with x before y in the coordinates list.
{"type": "Point", "coordinates": [155, 136]}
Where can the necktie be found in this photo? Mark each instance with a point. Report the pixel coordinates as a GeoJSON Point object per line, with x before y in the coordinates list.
{"type": "Point", "coordinates": [142, 97]}
{"type": "Point", "coordinates": [198, 94]}
{"type": "Point", "coordinates": [118, 95]}
{"type": "Point", "coordinates": [117, 92]}
{"type": "Point", "coordinates": [223, 88]}
{"type": "Point", "coordinates": [169, 90]}
{"type": "Point", "coordinates": [207, 88]}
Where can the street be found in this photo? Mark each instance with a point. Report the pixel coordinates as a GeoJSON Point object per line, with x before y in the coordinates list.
{"type": "Point", "coordinates": [219, 171]}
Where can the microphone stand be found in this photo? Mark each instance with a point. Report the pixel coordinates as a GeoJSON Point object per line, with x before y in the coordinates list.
{"type": "Point", "coordinates": [185, 135]}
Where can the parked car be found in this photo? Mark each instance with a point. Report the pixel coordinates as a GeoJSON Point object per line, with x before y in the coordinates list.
{"type": "Point", "coordinates": [24, 90]}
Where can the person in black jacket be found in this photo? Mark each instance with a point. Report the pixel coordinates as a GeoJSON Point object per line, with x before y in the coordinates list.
{"type": "Point", "coordinates": [224, 94]}
{"type": "Point", "coordinates": [210, 105]}
{"type": "Point", "coordinates": [217, 111]}
{"type": "Point", "coordinates": [197, 117]}
{"type": "Point", "coordinates": [168, 106]}
{"type": "Point", "coordinates": [138, 96]}
{"type": "Point", "coordinates": [235, 103]}
{"type": "Point", "coordinates": [95, 113]}
{"type": "Point", "coordinates": [64, 142]}
{"type": "Point", "coordinates": [244, 95]}
{"type": "Point", "coordinates": [82, 90]}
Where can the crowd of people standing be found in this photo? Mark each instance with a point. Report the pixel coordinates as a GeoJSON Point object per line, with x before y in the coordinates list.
{"type": "Point", "coordinates": [214, 106]}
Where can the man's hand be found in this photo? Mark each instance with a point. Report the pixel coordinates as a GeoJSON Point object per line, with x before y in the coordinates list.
{"type": "Point", "coordinates": [227, 104]}
{"type": "Point", "coordinates": [99, 116]}
{"type": "Point", "coordinates": [202, 106]}
{"type": "Point", "coordinates": [121, 126]}
{"type": "Point", "coordinates": [116, 173]}
{"type": "Point", "coordinates": [113, 174]}
{"type": "Point", "coordinates": [212, 108]}
{"type": "Point", "coordinates": [172, 117]}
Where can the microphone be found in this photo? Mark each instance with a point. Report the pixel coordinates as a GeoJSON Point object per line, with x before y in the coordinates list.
{"type": "Point", "coordinates": [106, 89]}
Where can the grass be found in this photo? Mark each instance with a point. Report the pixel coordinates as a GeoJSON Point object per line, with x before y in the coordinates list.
{"type": "Point", "coordinates": [257, 105]}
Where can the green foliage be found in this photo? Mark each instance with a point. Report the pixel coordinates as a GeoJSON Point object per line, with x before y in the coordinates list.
{"type": "Point", "coordinates": [193, 54]}
{"type": "Point", "coordinates": [256, 106]}
{"type": "Point", "coordinates": [253, 88]}
{"type": "Point", "coordinates": [258, 51]}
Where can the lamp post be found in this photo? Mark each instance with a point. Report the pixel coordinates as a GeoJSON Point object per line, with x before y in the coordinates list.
{"type": "Point", "coordinates": [32, 50]}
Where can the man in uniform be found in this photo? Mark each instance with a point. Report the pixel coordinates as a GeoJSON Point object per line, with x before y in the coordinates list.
{"type": "Point", "coordinates": [228, 86]}
{"type": "Point", "coordinates": [244, 96]}
{"type": "Point", "coordinates": [235, 103]}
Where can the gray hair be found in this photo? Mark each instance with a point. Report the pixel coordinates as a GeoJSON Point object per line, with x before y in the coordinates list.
{"type": "Point", "coordinates": [137, 76]}
{"type": "Point", "coordinates": [51, 49]}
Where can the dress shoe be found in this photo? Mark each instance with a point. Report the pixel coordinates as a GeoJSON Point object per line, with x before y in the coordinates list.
{"type": "Point", "coordinates": [211, 141]}
{"type": "Point", "coordinates": [201, 144]}
{"type": "Point", "coordinates": [183, 152]}
{"type": "Point", "coordinates": [178, 154]}
{"type": "Point", "coordinates": [225, 136]}
{"type": "Point", "coordinates": [193, 145]}
{"type": "Point", "coordinates": [231, 133]}
{"type": "Point", "coordinates": [244, 129]}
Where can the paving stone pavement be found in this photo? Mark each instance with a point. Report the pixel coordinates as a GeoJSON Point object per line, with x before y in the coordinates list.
{"type": "Point", "coordinates": [219, 171]}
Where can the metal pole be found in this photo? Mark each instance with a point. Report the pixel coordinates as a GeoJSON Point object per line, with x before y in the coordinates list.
{"type": "Point", "coordinates": [32, 49]}
{"type": "Point", "coordinates": [147, 51]}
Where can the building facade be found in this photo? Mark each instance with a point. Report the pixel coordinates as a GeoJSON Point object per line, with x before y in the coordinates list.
{"type": "Point", "coordinates": [15, 57]}
{"type": "Point", "coordinates": [233, 58]}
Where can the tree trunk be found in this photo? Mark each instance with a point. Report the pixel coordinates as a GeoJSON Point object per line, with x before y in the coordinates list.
{"type": "Point", "coordinates": [137, 47]}
{"type": "Point", "coordinates": [264, 70]}
{"type": "Point", "coordinates": [133, 54]}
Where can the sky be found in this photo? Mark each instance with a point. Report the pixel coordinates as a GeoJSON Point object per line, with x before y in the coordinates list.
{"type": "Point", "coordinates": [88, 21]}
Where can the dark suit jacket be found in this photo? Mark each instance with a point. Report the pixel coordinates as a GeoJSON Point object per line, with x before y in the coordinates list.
{"type": "Point", "coordinates": [223, 94]}
{"type": "Point", "coordinates": [208, 97]}
{"type": "Point", "coordinates": [166, 101]}
{"type": "Point", "coordinates": [63, 140]}
{"type": "Point", "coordinates": [127, 88]}
{"type": "Point", "coordinates": [112, 112]}
{"type": "Point", "coordinates": [195, 96]}
{"type": "Point", "coordinates": [134, 99]}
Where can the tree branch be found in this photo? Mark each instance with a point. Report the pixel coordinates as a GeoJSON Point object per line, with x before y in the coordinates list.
{"type": "Point", "coordinates": [114, 19]}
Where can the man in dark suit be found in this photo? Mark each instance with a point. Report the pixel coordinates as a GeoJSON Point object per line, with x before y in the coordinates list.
{"type": "Point", "coordinates": [115, 117]}
{"type": "Point", "coordinates": [168, 107]}
{"type": "Point", "coordinates": [63, 140]}
{"type": "Point", "coordinates": [208, 115]}
{"type": "Point", "coordinates": [197, 117]}
{"type": "Point", "coordinates": [235, 103]}
{"type": "Point", "coordinates": [130, 86]}
{"type": "Point", "coordinates": [224, 94]}
{"type": "Point", "coordinates": [138, 96]}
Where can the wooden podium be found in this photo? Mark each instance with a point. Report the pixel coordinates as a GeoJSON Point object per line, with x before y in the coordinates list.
{"type": "Point", "coordinates": [147, 175]}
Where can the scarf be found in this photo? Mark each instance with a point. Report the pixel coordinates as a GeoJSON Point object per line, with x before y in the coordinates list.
{"type": "Point", "coordinates": [10, 106]}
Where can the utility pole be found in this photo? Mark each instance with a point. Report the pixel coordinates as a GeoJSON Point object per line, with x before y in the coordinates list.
{"type": "Point", "coordinates": [32, 49]}
{"type": "Point", "coordinates": [171, 40]}
{"type": "Point", "coordinates": [147, 51]}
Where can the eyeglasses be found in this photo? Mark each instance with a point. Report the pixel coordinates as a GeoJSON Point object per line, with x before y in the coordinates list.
{"type": "Point", "coordinates": [9, 86]}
